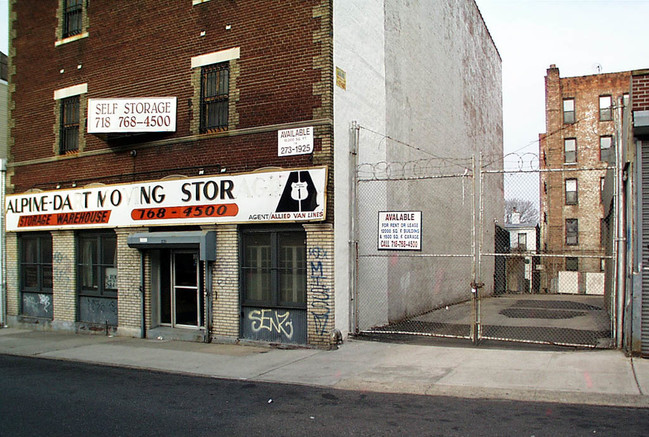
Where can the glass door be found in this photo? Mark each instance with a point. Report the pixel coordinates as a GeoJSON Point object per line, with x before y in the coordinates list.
{"type": "Point", "coordinates": [181, 298]}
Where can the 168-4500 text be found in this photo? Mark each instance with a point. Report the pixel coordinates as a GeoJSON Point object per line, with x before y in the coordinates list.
{"type": "Point", "coordinates": [133, 121]}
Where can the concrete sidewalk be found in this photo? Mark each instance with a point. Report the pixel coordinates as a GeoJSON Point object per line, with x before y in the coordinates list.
{"type": "Point", "coordinates": [599, 377]}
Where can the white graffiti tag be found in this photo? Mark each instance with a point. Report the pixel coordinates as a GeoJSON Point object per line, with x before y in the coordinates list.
{"type": "Point", "coordinates": [272, 321]}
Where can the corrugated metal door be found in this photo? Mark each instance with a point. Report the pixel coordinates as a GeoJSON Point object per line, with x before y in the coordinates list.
{"type": "Point", "coordinates": [645, 249]}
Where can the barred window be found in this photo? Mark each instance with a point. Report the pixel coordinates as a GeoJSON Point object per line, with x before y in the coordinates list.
{"type": "Point", "coordinates": [572, 264]}
{"type": "Point", "coordinates": [69, 125]}
{"type": "Point", "coordinates": [72, 17]}
{"type": "Point", "coordinates": [215, 89]}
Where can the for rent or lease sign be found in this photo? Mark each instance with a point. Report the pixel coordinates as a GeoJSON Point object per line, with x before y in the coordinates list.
{"type": "Point", "coordinates": [399, 230]}
{"type": "Point", "coordinates": [297, 141]}
{"type": "Point", "coordinates": [146, 114]}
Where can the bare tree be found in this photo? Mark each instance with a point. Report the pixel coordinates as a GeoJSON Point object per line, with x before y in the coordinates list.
{"type": "Point", "coordinates": [529, 214]}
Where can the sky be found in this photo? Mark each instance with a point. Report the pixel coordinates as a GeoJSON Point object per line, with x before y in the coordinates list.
{"type": "Point", "coordinates": [577, 35]}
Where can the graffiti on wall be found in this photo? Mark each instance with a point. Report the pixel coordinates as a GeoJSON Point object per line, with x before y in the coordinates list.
{"type": "Point", "coordinates": [273, 321]}
{"type": "Point", "coordinates": [320, 292]}
{"type": "Point", "coordinates": [62, 268]}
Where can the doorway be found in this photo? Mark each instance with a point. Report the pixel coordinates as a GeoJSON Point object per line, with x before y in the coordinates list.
{"type": "Point", "coordinates": [181, 296]}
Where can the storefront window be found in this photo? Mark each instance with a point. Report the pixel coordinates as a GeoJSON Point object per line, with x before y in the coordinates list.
{"type": "Point", "coordinates": [36, 275]}
{"type": "Point", "coordinates": [97, 277]}
{"type": "Point", "coordinates": [274, 268]}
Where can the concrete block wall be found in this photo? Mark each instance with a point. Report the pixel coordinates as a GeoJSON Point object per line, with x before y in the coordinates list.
{"type": "Point", "coordinates": [225, 284]}
{"type": "Point", "coordinates": [320, 283]}
{"type": "Point", "coordinates": [64, 280]}
{"type": "Point", "coordinates": [129, 299]}
{"type": "Point", "coordinates": [13, 272]}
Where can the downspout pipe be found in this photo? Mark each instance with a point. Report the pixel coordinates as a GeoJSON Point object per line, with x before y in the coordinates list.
{"type": "Point", "coordinates": [142, 300]}
{"type": "Point", "coordinates": [208, 303]}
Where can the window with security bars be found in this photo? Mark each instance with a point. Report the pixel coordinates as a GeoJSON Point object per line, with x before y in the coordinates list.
{"type": "Point", "coordinates": [571, 192]}
{"type": "Point", "coordinates": [274, 268]}
{"type": "Point", "coordinates": [72, 17]}
{"type": "Point", "coordinates": [36, 274]}
{"type": "Point", "coordinates": [572, 232]}
{"type": "Point", "coordinates": [69, 140]}
{"type": "Point", "coordinates": [215, 89]}
{"type": "Point", "coordinates": [97, 264]}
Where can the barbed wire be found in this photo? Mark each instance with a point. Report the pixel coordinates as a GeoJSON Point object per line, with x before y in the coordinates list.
{"type": "Point", "coordinates": [419, 169]}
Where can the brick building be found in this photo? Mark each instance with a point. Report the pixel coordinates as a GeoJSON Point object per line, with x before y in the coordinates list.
{"type": "Point", "coordinates": [575, 152]}
{"type": "Point", "coordinates": [172, 168]}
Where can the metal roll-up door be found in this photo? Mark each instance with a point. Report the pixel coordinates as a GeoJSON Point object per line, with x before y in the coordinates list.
{"type": "Point", "coordinates": [645, 250]}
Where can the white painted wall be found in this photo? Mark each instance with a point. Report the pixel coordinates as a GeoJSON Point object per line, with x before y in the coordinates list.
{"type": "Point", "coordinates": [426, 73]}
{"type": "Point", "coordinates": [359, 51]}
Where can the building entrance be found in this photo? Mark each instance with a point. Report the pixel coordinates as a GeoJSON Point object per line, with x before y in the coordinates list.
{"type": "Point", "coordinates": [181, 297]}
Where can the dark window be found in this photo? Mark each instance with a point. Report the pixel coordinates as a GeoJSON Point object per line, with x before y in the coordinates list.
{"type": "Point", "coordinates": [605, 148]}
{"type": "Point", "coordinates": [274, 268]}
{"type": "Point", "coordinates": [72, 17]}
{"type": "Point", "coordinates": [570, 150]}
{"type": "Point", "coordinates": [602, 183]}
{"type": "Point", "coordinates": [69, 125]}
{"type": "Point", "coordinates": [569, 110]}
{"type": "Point", "coordinates": [215, 89]}
{"type": "Point", "coordinates": [605, 108]}
{"type": "Point", "coordinates": [571, 192]}
{"type": "Point", "coordinates": [522, 241]}
{"type": "Point", "coordinates": [572, 232]}
{"type": "Point", "coordinates": [572, 264]}
{"type": "Point", "coordinates": [36, 275]}
{"type": "Point", "coordinates": [97, 264]}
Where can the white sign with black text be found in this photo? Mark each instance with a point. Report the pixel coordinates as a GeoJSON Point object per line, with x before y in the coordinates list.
{"type": "Point", "coordinates": [399, 230]}
{"type": "Point", "coordinates": [145, 114]}
{"type": "Point", "coordinates": [297, 141]}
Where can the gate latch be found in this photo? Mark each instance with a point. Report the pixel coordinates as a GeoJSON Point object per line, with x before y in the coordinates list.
{"type": "Point", "coordinates": [475, 286]}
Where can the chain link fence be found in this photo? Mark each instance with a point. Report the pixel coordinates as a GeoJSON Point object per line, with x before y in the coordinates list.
{"type": "Point", "coordinates": [521, 255]}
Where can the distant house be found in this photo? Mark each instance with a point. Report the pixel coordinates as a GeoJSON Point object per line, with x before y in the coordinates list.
{"type": "Point", "coordinates": [522, 272]}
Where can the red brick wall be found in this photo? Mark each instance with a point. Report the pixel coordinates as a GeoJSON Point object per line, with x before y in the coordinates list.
{"type": "Point", "coordinates": [143, 49]}
{"type": "Point", "coordinates": [640, 91]}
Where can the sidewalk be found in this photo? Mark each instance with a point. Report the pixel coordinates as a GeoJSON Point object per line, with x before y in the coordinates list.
{"type": "Point", "coordinates": [598, 377]}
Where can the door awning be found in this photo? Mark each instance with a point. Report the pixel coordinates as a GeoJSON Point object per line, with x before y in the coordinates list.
{"type": "Point", "coordinates": [205, 241]}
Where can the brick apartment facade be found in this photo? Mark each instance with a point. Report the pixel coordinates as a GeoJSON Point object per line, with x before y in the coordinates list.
{"type": "Point", "coordinates": [575, 152]}
{"type": "Point", "coordinates": [153, 189]}
{"type": "Point", "coordinates": [83, 50]}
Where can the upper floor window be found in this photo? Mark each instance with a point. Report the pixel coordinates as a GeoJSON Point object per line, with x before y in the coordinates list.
{"type": "Point", "coordinates": [572, 232]}
{"type": "Point", "coordinates": [602, 183]}
{"type": "Point", "coordinates": [72, 17]}
{"type": "Point", "coordinates": [605, 108]}
{"type": "Point", "coordinates": [570, 150]}
{"type": "Point", "coordinates": [215, 89]}
{"type": "Point", "coordinates": [605, 149]}
{"type": "Point", "coordinates": [571, 191]}
{"type": "Point", "coordinates": [70, 103]}
{"type": "Point", "coordinates": [569, 111]}
{"type": "Point", "coordinates": [69, 138]}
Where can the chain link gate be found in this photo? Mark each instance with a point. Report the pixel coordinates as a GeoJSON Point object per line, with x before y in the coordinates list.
{"type": "Point", "coordinates": [489, 266]}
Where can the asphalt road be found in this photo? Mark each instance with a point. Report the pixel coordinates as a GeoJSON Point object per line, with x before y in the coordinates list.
{"type": "Point", "coordinates": [56, 398]}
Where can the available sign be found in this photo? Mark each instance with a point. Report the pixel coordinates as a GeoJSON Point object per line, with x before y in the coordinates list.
{"type": "Point", "coordinates": [274, 196]}
{"type": "Point", "coordinates": [295, 141]}
{"type": "Point", "coordinates": [399, 230]}
{"type": "Point", "coordinates": [147, 114]}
